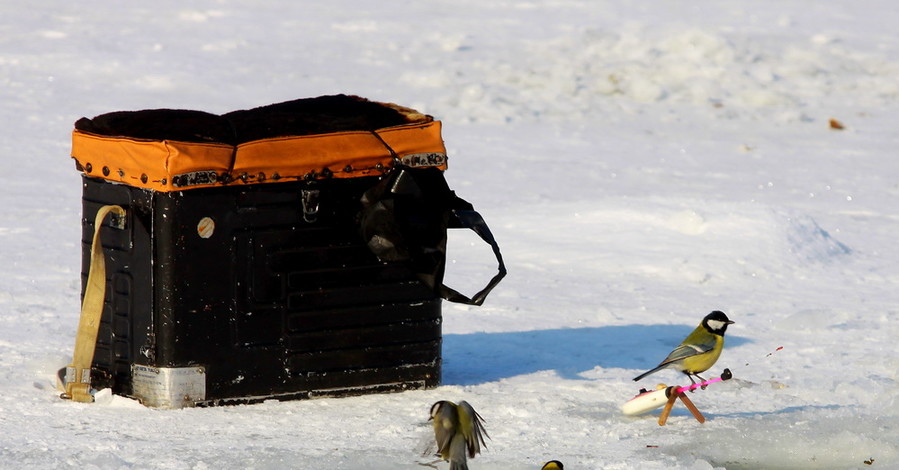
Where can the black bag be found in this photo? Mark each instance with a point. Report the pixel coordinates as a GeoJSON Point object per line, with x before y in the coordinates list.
{"type": "Point", "coordinates": [405, 219]}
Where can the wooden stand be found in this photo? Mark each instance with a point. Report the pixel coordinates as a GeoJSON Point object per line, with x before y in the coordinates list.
{"type": "Point", "coordinates": [673, 394]}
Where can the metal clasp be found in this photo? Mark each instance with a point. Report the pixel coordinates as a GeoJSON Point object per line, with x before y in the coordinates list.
{"type": "Point", "coordinates": [309, 198]}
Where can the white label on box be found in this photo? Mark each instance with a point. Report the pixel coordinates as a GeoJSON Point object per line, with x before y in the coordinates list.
{"type": "Point", "coordinates": [168, 387]}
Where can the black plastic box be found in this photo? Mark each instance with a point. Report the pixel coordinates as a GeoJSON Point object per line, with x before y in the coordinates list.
{"type": "Point", "coordinates": [242, 293]}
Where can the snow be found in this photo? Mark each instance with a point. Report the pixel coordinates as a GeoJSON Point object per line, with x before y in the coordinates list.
{"type": "Point", "coordinates": [640, 163]}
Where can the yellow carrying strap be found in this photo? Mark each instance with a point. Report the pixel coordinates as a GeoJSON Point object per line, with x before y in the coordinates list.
{"type": "Point", "coordinates": [77, 382]}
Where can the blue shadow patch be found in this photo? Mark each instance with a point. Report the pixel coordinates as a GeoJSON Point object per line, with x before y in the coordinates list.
{"type": "Point", "coordinates": [475, 358]}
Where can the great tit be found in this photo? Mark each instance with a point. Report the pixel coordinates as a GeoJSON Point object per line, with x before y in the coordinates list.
{"type": "Point", "coordinates": [553, 465]}
{"type": "Point", "coordinates": [459, 431]}
{"type": "Point", "coordinates": [699, 351]}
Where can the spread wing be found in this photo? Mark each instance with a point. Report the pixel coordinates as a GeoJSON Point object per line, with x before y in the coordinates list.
{"type": "Point", "coordinates": [475, 432]}
{"type": "Point", "coordinates": [445, 429]}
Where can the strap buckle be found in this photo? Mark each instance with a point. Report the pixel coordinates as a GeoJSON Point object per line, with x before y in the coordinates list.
{"type": "Point", "coordinates": [76, 384]}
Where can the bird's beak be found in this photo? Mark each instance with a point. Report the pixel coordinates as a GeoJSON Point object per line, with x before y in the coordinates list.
{"type": "Point", "coordinates": [730, 322]}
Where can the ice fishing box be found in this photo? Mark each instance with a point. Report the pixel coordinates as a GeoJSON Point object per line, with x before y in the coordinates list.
{"type": "Point", "coordinates": [289, 251]}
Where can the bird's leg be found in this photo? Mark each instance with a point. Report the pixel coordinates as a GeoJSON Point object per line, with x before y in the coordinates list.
{"type": "Point", "coordinates": [702, 379]}
{"type": "Point", "coordinates": [691, 380]}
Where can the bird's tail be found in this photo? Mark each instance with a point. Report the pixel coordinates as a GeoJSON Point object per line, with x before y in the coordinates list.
{"type": "Point", "coordinates": [454, 465]}
{"type": "Point", "coordinates": [651, 371]}
{"type": "Point", "coordinates": [457, 453]}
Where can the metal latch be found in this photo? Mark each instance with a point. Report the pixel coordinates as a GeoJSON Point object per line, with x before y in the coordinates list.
{"type": "Point", "coordinates": [309, 198]}
{"type": "Point", "coordinates": [117, 221]}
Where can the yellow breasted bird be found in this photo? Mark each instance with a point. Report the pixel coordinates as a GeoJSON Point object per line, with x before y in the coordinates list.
{"type": "Point", "coordinates": [459, 431]}
{"type": "Point", "coordinates": [699, 351]}
{"type": "Point", "coordinates": [553, 465]}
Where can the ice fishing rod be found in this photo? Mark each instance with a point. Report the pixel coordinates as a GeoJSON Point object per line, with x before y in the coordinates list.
{"type": "Point", "coordinates": [647, 401]}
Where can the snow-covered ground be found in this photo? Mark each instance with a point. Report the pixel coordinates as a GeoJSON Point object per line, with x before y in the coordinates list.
{"type": "Point", "coordinates": [641, 163]}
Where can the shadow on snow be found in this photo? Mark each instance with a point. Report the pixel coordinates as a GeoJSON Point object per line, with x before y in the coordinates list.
{"type": "Point", "coordinates": [475, 358]}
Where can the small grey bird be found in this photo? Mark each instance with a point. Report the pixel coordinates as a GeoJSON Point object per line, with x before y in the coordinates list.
{"type": "Point", "coordinates": [700, 349]}
{"type": "Point", "coordinates": [459, 431]}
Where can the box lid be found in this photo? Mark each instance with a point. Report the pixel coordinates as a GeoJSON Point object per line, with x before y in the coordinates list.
{"type": "Point", "coordinates": [335, 136]}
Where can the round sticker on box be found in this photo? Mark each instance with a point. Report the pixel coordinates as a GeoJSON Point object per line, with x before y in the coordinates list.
{"type": "Point", "coordinates": [205, 227]}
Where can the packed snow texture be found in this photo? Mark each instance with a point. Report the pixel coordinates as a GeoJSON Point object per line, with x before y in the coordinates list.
{"type": "Point", "coordinates": [641, 164]}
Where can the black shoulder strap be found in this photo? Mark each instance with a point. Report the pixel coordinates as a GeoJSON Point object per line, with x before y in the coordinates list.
{"type": "Point", "coordinates": [472, 220]}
